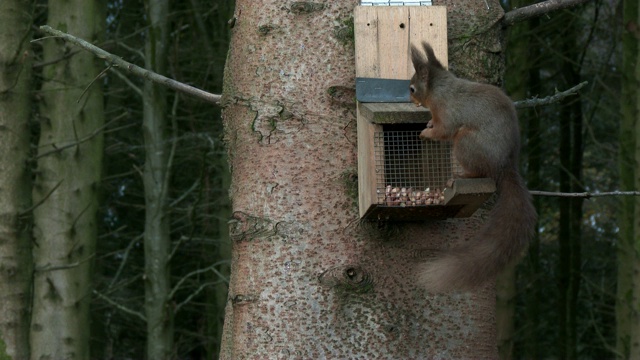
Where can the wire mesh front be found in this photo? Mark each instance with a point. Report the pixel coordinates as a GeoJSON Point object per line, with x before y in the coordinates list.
{"type": "Point", "coordinates": [410, 171]}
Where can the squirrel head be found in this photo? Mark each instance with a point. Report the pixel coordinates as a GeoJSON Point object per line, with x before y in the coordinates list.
{"type": "Point", "coordinates": [426, 68]}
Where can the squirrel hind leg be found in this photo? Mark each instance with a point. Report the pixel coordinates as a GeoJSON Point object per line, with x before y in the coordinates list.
{"type": "Point", "coordinates": [471, 174]}
{"type": "Point", "coordinates": [472, 163]}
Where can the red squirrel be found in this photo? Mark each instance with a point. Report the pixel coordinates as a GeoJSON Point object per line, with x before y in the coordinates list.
{"type": "Point", "coordinates": [481, 122]}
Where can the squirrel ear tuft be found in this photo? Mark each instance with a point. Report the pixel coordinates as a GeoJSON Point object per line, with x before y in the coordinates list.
{"type": "Point", "coordinates": [419, 62]}
{"type": "Point", "coordinates": [431, 56]}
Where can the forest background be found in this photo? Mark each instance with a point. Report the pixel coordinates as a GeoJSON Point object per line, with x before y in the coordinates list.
{"type": "Point", "coordinates": [139, 177]}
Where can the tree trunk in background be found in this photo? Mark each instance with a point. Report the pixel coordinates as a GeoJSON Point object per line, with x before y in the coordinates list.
{"type": "Point", "coordinates": [157, 241]}
{"type": "Point", "coordinates": [523, 58]}
{"type": "Point", "coordinates": [517, 87]}
{"type": "Point", "coordinates": [215, 41]}
{"type": "Point", "coordinates": [627, 305]}
{"type": "Point", "coordinates": [534, 181]}
{"type": "Point", "coordinates": [15, 183]}
{"type": "Point", "coordinates": [66, 185]}
{"type": "Point", "coordinates": [308, 279]}
{"type": "Point", "coordinates": [505, 311]}
{"type": "Point", "coordinates": [217, 295]}
{"type": "Point", "coordinates": [569, 235]}
{"type": "Point", "coordinates": [635, 319]}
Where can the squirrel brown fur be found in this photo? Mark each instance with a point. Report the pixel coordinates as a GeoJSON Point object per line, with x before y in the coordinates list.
{"type": "Point", "coordinates": [482, 123]}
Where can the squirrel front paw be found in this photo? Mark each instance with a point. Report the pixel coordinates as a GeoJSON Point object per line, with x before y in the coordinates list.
{"type": "Point", "coordinates": [426, 133]}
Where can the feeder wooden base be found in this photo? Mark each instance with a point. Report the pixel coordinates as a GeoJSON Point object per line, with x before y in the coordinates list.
{"type": "Point", "coordinates": [462, 200]}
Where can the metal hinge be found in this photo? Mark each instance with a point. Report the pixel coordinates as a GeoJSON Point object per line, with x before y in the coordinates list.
{"type": "Point", "coordinates": [395, 3]}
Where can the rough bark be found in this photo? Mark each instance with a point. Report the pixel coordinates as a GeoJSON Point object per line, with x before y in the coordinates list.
{"type": "Point", "coordinates": [505, 311]}
{"type": "Point", "coordinates": [157, 240]}
{"type": "Point", "coordinates": [308, 279]}
{"type": "Point", "coordinates": [66, 185]}
{"type": "Point", "coordinates": [15, 189]}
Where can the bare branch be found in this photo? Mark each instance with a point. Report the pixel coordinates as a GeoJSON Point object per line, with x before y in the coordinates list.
{"type": "Point", "coordinates": [196, 272]}
{"type": "Point", "coordinates": [99, 76]}
{"type": "Point", "coordinates": [121, 307]}
{"type": "Point", "coordinates": [41, 201]}
{"type": "Point", "coordinates": [585, 195]}
{"type": "Point", "coordinates": [194, 294]}
{"type": "Point", "coordinates": [538, 9]}
{"type": "Point", "coordinates": [77, 142]}
{"type": "Point", "coordinates": [116, 61]}
{"type": "Point", "coordinates": [549, 99]}
{"type": "Point", "coordinates": [126, 80]}
{"type": "Point", "coordinates": [125, 256]}
{"type": "Point", "coordinates": [63, 267]}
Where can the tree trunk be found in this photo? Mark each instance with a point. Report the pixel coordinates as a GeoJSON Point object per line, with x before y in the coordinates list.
{"type": "Point", "coordinates": [66, 185]}
{"type": "Point", "coordinates": [217, 295]}
{"type": "Point", "coordinates": [15, 183]}
{"type": "Point", "coordinates": [519, 62]}
{"type": "Point", "coordinates": [570, 234]}
{"type": "Point", "coordinates": [308, 279]}
{"type": "Point", "coordinates": [534, 180]}
{"type": "Point", "coordinates": [627, 307]}
{"type": "Point", "coordinates": [505, 311]}
{"type": "Point", "coordinates": [157, 241]}
{"type": "Point", "coordinates": [635, 300]}
{"type": "Point", "coordinates": [524, 55]}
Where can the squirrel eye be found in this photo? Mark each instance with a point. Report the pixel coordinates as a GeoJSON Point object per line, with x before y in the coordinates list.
{"type": "Point", "coordinates": [412, 89]}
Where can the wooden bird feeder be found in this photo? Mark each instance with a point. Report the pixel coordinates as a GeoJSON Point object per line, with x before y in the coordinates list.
{"type": "Point", "coordinates": [400, 176]}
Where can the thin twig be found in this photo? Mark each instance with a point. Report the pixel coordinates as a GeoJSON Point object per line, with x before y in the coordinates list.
{"type": "Point", "coordinates": [63, 267]}
{"type": "Point", "coordinates": [126, 80]}
{"type": "Point", "coordinates": [174, 145]}
{"type": "Point", "coordinates": [549, 99]}
{"type": "Point", "coordinates": [116, 61]}
{"type": "Point", "coordinates": [194, 294]}
{"type": "Point", "coordinates": [77, 142]}
{"type": "Point", "coordinates": [120, 306]}
{"type": "Point", "coordinates": [125, 257]}
{"type": "Point", "coordinates": [538, 9]}
{"type": "Point", "coordinates": [585, 195]}
{"type": "Point", "coordinates": [196, 272]}
{"type": "Point", "coordinates": [41, 201]}
{"type": "Point", "coordinates": [185, 194]}
{"type": "Point", "coordinates": [99, 76]}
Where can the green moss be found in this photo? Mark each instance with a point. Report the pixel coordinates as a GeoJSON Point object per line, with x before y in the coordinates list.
{"type": "Point", "coordinates": [266, 29]}
{"type": "Point", "coordinates": [342, 95]}
{"type": "Point", "coordinates": [273, 124]}
{"type": "Point", "coordinates": [345, 32]}
{"type": "Point", "coordinates": [349, 179]}
{"type": "Point", "coordinates": [228, 83]}
{"type": "Point", "coordinates": [3, 350]}
{"type": "Point", "coordinates": [253, 126]}
{"type": "Point", "coordinates": [245, 227]}
{"type": "Point", "coordinates": [285, 114]}
{"type": "Point", "coordinates": [305, 7]}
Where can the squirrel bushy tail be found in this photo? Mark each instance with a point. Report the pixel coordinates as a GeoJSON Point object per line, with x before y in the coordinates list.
{"type": "Point", "coordinates": [500, 242]}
